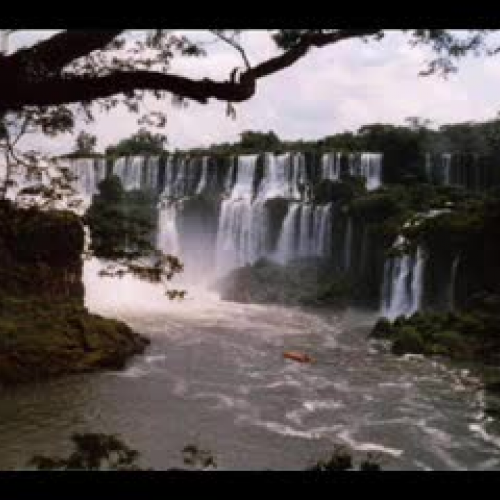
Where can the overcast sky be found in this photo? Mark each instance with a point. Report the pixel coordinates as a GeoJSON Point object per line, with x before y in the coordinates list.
{"type": "Point", "coordinates": [333, 89]}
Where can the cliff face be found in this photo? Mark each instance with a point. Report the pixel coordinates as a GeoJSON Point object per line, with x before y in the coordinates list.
{"type": "Point", "coordinates": [45, 330]}
{"type": "Point", "coordinates": [40, 253]}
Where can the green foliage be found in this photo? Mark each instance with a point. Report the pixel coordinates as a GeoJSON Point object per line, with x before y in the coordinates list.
{"type": "Point", "coordinates": [143, 142]}
{"type": "Point", "coordinates": [377, 207]}
{"type": "Point", "coordinates": [341, 460]}
{"type": "Point", "coordinates": [340, 191]}
{"type": "Point", "coordinates": [85, 143]}
{"type": "Point", "coordinates": [33, 236]}
{"type": "Point", "coordinates": [198, 458]}
{"type": "Point", "coordinates": [408, 340]}
{"type": "Point", "coordinates": [93, 451]}
{"type": "Point", "coordinates": [120, 223]}
{"type": "Point", "coordinates": [473, 335]}
{"type": "Point", "coordinates": [382, 329]}
{"type": "Point", "coordinates": [259, 141]}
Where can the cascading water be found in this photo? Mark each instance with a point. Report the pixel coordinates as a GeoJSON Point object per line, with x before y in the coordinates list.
{"type": "Point", "coordinates": [129, 170]}
{"type": "Point", "coordinates": [298, 175]}
{"type": "Point", "coordinates": [306, 232]}
{"type": "Point", "coordinates": [446, 166]}
{"type": "Point", "coordinates": [323, 230]}
{"type": "Point", "coordinates": [151, 173]}
{"type": "Point", "coordinates": [88, 173]}
{"type": "Point", "coordinates": [402, 286]}
{"type": "Point", "coordinates": [241, 236]}
{"type": "Point", "coordinates": [287, 243]}
{"type": "Point", "coordinates": [202, 184]}
{"type": "Point", "coordinates": [168, 236]}
{"type": "Point", "coordinates": [371, 169]}
{"type": "Point", "coordinates": [276, 182]}
{"type": "Point", "coordinates": [367, 165]}
{"type": "Point", "coordinates": [330, 166]}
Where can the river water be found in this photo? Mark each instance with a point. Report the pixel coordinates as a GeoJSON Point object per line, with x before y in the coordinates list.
{"type": "Point", "coordinates": [215, 376]}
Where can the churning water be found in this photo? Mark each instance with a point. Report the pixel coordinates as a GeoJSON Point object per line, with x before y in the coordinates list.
{"type": "Point", "coordinates": [215, 376]}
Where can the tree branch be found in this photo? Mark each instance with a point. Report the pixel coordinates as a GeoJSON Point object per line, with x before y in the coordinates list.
{"type": "Point", "coordinates": [53, 54]}
{"type": "Point", "coordinates": [300, 49]}
{"type": "Point", "coordinates": [19, 92]}
{"type": "Point", "coordinates": [234, 44]}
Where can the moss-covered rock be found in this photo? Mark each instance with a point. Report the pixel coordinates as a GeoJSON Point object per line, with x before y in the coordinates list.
{"type": "Point", "coordinates": [382, 329]}
{"type": "Point", "coordinates": [40, 339]}
{"type": "Point", "coordinates": [408, 340]}
{"type": "Point", "coordinates": [45, 329]}
{"type": "Point", "coordinates": [465, 336]}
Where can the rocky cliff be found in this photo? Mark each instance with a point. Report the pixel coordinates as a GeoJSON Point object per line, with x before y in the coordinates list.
{"type": "Point", "coordinates": [45, 330]}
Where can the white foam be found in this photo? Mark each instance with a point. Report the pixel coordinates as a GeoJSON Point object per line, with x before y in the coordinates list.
{"type": "Point", "coordinates": [358, 446]}
{"type": "Point", "coordinates": [133, 372]}
{"type": "Point", "coordinates": [481, 431]}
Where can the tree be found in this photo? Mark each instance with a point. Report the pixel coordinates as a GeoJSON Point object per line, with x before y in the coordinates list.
{"type": "Point", "coordinates": [85, 143]}
{"type": "Point", "coordinates": [142, 142]}
{"type": "Point", "coordinates": [259, 141]}
{"type": "Point", "coordinates": [121, 227]}
{"type": "Point", "coordinates": [81, 67]}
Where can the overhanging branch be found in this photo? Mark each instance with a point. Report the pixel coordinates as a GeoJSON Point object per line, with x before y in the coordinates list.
{"type": "Point", "coordinates": [19, 92]}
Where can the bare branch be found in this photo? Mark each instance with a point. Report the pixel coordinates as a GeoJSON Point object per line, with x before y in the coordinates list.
{"type": "Point", "coordinates": [232, 42]}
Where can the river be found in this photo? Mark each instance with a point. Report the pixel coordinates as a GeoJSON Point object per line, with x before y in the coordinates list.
{"type": "Point", "coordinates": [215, 376]}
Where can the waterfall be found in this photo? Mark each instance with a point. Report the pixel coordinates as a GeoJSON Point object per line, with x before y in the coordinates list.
{"type": "Point", "coordinates": [129, 169]}
{"type": "Point", "coordinates": [284, 176]}
{"type": "Point", "coordinates": [371, 169]}
{"type": "Point", "coordinates": [228, 181]}
{"type": "Point", "coordinates": [330, 166]}
{"type": "Point", "coordinates": [287, 242]}
{"type": "Point", "coordinates": [168, 179]}
{"type": "Point", "coordinates": [151, 173]}
{"type": "Point", "coordinates": [322, 235]}
{"type": "Point", "coordinates": [306, 232]}
{"type": "Point", "coordinates": [446, 168]}
{"type": "Point", "coordinates": [85, 173]}
{"type": "Point", "coordinates": [89, 172]}
{"type": "Point", "coordinates": [243, 186]}
{"type": "Point", "coordinates": [277, 179]}
{"type": "Point", "coordinates": [168, 236]}
{"type": "Point", "coordinates": [353, 164]}
{"type": "Point", "coordinates": [241, 235]}
{"type": "Point", "coordinates": [367, 165]}
{"type": "Point", "coordinates": [202, 184]}
{"type": "Point", "coordinates": [299, 175]}
{"type": "Point", "coordinates": [417, 287]}
{"type": "Point", "coordinates": [402, 287]}
{"type": "Point", "coordinates": [179, 185]}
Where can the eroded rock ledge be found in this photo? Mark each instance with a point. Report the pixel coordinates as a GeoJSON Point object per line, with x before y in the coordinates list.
{"type": "Point", "coordinates": [45, 330]}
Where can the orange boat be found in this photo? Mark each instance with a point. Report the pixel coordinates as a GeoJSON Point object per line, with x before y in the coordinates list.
{"type": "Point", "coordinates": [297, 356]}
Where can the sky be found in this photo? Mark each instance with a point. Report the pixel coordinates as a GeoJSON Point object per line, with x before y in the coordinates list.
{"type": "Point", "coordinates": [333, 89]}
